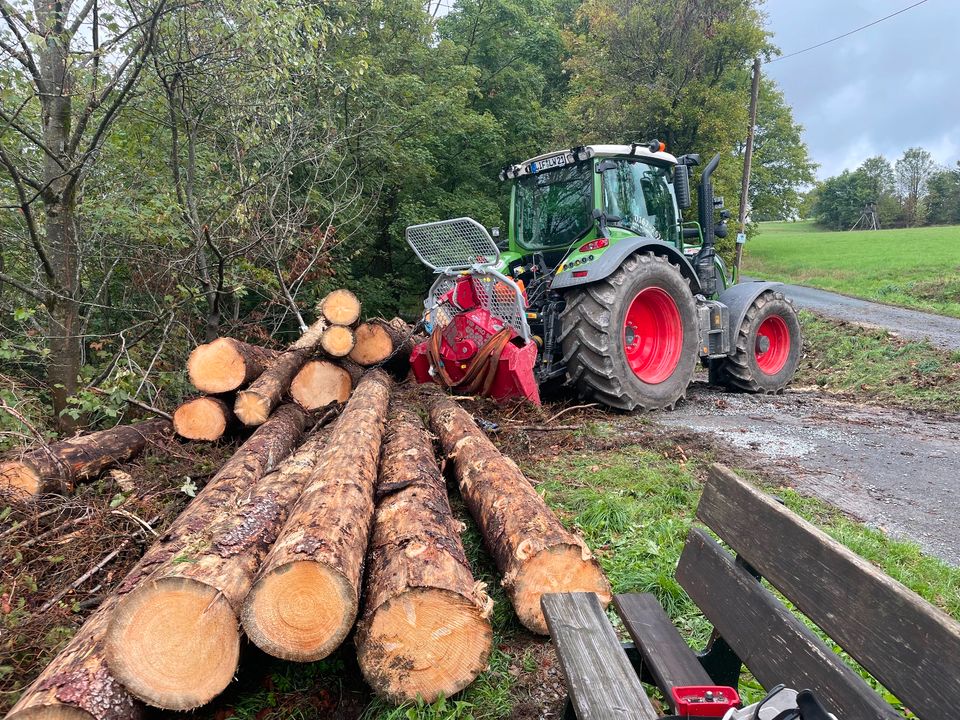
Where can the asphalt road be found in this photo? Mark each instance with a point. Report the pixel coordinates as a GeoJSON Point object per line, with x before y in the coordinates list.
{"type": "Point", "coordinates": [910, 324]}
{"type": "Point", "coordinates": [894, 469]}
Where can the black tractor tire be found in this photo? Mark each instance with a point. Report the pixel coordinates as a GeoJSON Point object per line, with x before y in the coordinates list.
{"type": "Point", "coordinates": [592, 336]}
{"type": "Point", "coordinates": [742, 371]}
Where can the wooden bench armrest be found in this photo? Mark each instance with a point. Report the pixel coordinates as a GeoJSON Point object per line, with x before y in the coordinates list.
{"type": "Point", "coordinates": [600, 680]}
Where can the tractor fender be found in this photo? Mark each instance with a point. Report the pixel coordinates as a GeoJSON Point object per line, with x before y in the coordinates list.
{"type": "Point", "coordinates": [613, 257]}
{"type": "Point", "coordinates": [738, 300]}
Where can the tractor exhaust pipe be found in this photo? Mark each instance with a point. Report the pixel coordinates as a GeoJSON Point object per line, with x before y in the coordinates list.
{"type": "Point", "coordinates": [705, 262]}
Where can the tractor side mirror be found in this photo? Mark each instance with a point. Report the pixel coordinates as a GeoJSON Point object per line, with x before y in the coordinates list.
{"type": "Point", "coordinates": [501, 243]}
{"type": "Point", "coordinates": [681, 186]}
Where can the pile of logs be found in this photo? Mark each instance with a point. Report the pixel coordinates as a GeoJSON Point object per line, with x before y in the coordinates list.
{"type": "Point", "coordinates": [314, 528]}
{"type": "Point", "coordinates": [245, 383]}
{"type": "Point", "coordinates": [241, 385]}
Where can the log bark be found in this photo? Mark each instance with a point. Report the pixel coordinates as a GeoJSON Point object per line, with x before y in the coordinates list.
{"type": "Point", "coordinates": [77, 683]}
{"type": "Point", "coordinates": [254, 405]}
{"type": "Point", "coordinates": [337, 341]}
{"type": "Point", "coordinates": [306, 595]}
{"type": "Point", "coordinates": [202, 418]}
{"type": "Point", "coordinates": [226, 364]}
{"type": "Point", "coordinates": [378, 340]}
{"type": "Point", "coordinates": [194, 599]}
{"type": "Point", "coordinates": [340, 307]}
{"type": "Point", "coordinates": [425, 627]}
{"type": "Point", "coordinates": [320, 383]}
{"type": "Point", "coordinates": [62, 465]}
{"type": "Point", "coordinates": [535, 553]}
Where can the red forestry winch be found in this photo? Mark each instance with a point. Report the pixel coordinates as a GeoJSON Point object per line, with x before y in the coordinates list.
{"type": "Point", "coordinates": [473, 350]}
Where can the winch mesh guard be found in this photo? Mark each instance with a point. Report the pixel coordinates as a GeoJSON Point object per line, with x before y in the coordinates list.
{"type": "Point", "coordinates": [495, 292]}
{"type": "Point", "coordinates": [458, 244]}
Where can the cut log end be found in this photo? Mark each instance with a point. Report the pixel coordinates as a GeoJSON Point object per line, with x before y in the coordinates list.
{"type": "Point", "coordinates": [320, 383]}
{"type": "Point", "coordinates": [217, 367]}
{"type": "Point", "coordinates": [556, 569]}
{"type": "Point", "coordinates": [337, 341]}
{"type": "Point", "coordinates": [340, 307]}
{"type": "Point", "coordinates": [300, 611]}
{"type": "Point", "coordinates": [20, 477]}
{"type": "Point", "coordinates": [373, 344]}
{"type": "Point", "coordinates": [174, 643]}
{"type": "Point", "coordinates": [252, 408]}
{"type": "Point", "coordinates": [202, 418]}
{"type": "Point", "coordinates": [425, 642]}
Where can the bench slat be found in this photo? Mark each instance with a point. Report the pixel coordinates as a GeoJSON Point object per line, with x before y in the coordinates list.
{"type": "Point", "coordinates": [910, 646]}
{"type": "Point", "coordinates": [770, 640]}
{"type": "Point", "coordinates": [665, 653]}
{"type": "Point", "coordinates": [601, 682]}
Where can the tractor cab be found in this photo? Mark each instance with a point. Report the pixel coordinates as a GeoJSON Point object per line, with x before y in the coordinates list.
{"type": "Point", "coordinates": [568, 207]}
{"type": "Point", "coordinates": [600, 282]}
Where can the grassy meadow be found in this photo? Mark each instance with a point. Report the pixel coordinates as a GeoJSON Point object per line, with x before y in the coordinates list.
{"type": "Point", "coordinates": [913, 267]}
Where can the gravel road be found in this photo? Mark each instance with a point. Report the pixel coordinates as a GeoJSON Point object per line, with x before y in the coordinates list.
{"type": "Point", "coordinates": [911, 324]}
{"type": "Point", "coordinates": [893, 469]}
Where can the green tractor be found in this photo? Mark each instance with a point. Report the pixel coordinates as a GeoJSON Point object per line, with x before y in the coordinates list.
{"type": "Point", "coordinates": [601, 282]}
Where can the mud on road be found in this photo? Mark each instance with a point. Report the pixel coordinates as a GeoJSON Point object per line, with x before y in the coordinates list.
{"type": "Point", "coordinates": [894, 469]}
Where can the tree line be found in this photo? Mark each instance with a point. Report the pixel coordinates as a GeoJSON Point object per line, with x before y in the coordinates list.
{"type": "Point", "coordinates": [910, 192]}
{"type": "Point", "coordinates": [175, 171]}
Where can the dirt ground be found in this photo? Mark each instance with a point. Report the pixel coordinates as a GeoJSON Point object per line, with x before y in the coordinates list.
{"type": "Point", "coordinates": [893, 469]}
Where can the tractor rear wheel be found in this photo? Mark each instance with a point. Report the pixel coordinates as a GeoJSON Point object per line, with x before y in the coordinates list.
{"type": "Point", "coordinates": [769, 344]}
{"type": "Point", "coordinates": [630, 340]}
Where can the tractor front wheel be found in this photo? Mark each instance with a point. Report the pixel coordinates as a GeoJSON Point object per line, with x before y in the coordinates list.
{"type": "Point", "coordinates": [768, 348]}
{"type": "Point", "coordinates": [630, 340]}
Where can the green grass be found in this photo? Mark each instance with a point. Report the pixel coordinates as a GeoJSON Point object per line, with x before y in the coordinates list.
{"type": "Point", "coordinates": [914, 267]}
{"type": "Point", "coordinates": [870, 365]}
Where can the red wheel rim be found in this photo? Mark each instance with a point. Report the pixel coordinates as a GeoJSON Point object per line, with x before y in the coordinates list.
{"type": "Point", "coordinates": [773, 345]}
{"type": "Point", "coordinates": [653, 335]}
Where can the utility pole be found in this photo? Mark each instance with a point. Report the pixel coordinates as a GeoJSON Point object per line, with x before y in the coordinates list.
{"type": "Point", "coordinates": [747, 158]}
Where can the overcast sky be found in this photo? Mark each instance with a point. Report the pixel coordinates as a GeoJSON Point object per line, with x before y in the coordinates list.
{"type": "Point", "coordinates": [886, 88]}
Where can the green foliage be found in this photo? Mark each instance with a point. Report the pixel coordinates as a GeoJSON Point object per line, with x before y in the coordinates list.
{"type": "Point", "coordinates": [680, 72]}
{"type": "Point", "coordinates": [916, 267]}
{"type": "Point", "coordinates": [912, 192]}
{"type": "Point", "coordinates": [781, 164]}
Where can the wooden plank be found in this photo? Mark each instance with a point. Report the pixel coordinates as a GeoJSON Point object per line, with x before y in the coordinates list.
{"type": "Point", "coordinates": [601, 682]}
{"type": "Point", "coordinates": [665, 654]}
{"type": "Point", "coordinates": [770, 640]}
{"type": "Point", "coordinates": [910, 646]}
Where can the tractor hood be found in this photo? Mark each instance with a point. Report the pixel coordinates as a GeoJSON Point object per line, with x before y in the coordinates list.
{"type": "Point", "coordinates": [560, 158]}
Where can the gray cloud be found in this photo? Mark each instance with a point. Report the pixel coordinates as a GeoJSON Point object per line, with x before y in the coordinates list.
{"type": "Point", "coordinates": [889, 87]}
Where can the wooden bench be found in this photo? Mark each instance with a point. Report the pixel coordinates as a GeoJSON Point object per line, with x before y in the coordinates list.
{"type": "Point", "coordinates": [909, 646]}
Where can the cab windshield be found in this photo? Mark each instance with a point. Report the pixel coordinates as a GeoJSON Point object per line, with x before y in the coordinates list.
{"type": "Point", "coordinates": [554, 207]}
{"type": "Point", "coordinates": [639, 194]}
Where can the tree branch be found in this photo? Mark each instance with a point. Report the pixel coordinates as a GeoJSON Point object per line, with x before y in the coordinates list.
{"type": "Point", "coordinates": [25, 289]}
{"type": "Point", "coordinates": [10, 15]}
{"type": "Point", "coordinates": [25, 208]}
{"type": "Point", "coordinates": [138, 58]}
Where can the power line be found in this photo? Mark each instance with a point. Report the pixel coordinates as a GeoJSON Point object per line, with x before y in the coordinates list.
{"type": "Point", "coordinates": [846, 34]}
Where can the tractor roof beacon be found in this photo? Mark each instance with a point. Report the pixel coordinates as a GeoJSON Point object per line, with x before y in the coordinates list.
{"type": "Point", "coordinates": [602, 282]}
